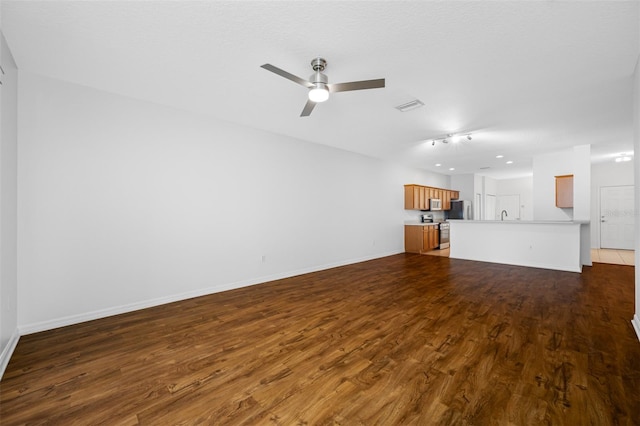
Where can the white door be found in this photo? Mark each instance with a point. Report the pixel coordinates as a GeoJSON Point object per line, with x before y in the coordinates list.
{"type": "Point", "coordinates": [477, 208]}
{"type": "Point", "coordinates": [616, 217]}
{"type": "Point", "coordinates": [510, 204]}
{"type": "Point", "coordinates": [490, 207]}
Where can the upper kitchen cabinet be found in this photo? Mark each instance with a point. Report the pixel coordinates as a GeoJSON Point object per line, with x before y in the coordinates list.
{"type": "Point", "coordinates": [416, 197]}
{"type": "Point", "coordinates": [564, 191]}
{"type": "Point", "coordinates": [446, 200]}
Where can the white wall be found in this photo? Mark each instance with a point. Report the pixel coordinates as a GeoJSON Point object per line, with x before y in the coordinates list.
{"type": "Point", "coordinates": [581, 182]}
{"type": "Point", "coordinates": [548, 245]}
{"type": "Point", "coordinates": [125, 204]}
{"type": "Point", "coordinates": [636, 145]}
{"type": "Point", "coordinates": [489, 189]}
{"type": "Point", "coordinates": [522, 187]}
{"type": "Point", "coordinates": [465, 184]}
{"type": "Point", "coordinates": [8, 207]}
{"type": "Point", "coordinates": [576, 161]}
{"type": "Point", "coordinates": [603, 175]}
{"type": "Point", "coordinates": [470, 185]}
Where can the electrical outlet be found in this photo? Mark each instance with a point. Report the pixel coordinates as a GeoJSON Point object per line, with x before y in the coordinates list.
{"type": "Point", "coordinates": [264, 258]}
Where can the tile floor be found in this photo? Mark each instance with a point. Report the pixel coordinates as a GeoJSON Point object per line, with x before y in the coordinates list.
{"type": "Point", "coordinates": [443, 252]}
{"type": "Point", "coordinates": [618, 257]}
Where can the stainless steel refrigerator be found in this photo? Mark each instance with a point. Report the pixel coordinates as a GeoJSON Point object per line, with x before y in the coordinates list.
{"type": "Point", "coordinates": [460, 209]}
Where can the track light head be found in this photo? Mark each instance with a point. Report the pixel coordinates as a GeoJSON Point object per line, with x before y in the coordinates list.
{"type": "Point", "coordinates": [451, 137]}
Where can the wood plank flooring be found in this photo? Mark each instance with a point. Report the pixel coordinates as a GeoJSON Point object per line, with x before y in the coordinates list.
{"type": "Point", "coordinates": [403, 340]}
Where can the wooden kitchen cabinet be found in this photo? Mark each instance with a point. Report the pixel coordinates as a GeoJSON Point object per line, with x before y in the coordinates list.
{"type": "Point", "coordinates": [564, 191]}
{"type": "Point", "coordinates": [421, 239]}
{"type": "Point", "coordinates": [411, 197]}
{"type": "Point", "coordinates": [424, 198]}
{"type": "Point", "coordinates": [430, 238]}
{"type": "Point", "coordinates": [432, 192]}
{"type": "Point", "coordinates": [446, 200]}
{"type": "Point", "coordinates": [413, 239]}
{"type": "Point", "coordinates": [416, 197]}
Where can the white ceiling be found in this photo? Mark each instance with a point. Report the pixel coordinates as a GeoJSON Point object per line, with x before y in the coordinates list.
{"type": "Point", "coordinates": [523, 77]}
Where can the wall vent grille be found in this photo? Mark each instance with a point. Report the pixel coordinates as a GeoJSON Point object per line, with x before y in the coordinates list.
{"type": "Point", "coordinates": [410, 105]}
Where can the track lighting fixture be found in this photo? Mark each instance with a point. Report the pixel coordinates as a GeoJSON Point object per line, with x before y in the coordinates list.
{"type": "Point", "coordinates": [455, 138]}
{"type": "Point", "coordinates": [623, 157]}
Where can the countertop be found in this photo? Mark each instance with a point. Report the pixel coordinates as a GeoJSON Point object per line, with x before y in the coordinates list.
{"type": "Point", "coordinates": [525, 222]}
{"type": "Point", "coordinates": [414, 223]}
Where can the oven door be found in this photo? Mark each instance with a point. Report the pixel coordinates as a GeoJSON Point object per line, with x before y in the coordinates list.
{"type": "Point", "coordinates": [444, 235]}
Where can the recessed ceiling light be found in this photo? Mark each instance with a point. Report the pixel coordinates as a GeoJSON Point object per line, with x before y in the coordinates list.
{"type": "Point", "coordinates": [451, 168]}
{"type": "Point", "coordinates": [499, 156]}
{"type": "Point", "coordinates": [438, 165]}
{"type": "Point", "coordinates": [509, 162]}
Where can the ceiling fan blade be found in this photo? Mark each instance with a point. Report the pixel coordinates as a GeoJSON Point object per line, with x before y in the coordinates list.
{"type": "Point", "coordinates": [356, 85]}
{"type": "Point", "coordinates": [287, 75]}
{"type": "Point", "coordinates": [308, 108]}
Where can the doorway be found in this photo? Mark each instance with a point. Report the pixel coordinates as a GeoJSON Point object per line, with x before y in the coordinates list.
{"type": "Point", "coordinates": [617, 217]}
{"type": "Point", "coordinates": [490, 207]}
{"type": "Point", "coordinates": [477, 207]}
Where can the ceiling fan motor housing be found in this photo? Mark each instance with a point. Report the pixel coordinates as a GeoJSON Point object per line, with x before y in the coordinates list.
{"type": "Point", "coordinates": [318, 79]}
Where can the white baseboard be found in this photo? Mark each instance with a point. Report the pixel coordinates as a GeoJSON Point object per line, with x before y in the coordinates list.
{"type": "Point", "coordinates": [116, 310]}
{"type": "Point", "coordinates": [7, 351]}
{"type": "Point", "coordinates": [636, 325]}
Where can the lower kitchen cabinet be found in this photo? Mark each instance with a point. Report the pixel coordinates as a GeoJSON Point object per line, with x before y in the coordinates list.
{"type": "Point", "coordinates": [421, 239]}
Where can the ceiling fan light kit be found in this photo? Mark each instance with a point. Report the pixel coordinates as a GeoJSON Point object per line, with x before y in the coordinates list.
{"type": "Point", "coordinates": [318, 94]}
{"type": "Point", "coordinates": [318, 84]}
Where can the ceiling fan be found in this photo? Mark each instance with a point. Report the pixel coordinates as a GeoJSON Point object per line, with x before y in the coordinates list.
{"type": "Point", "coordinates": [319, 86]}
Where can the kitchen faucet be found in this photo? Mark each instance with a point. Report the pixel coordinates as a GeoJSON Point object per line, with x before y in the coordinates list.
{"type": "Point", "coordinates": [503, 214]}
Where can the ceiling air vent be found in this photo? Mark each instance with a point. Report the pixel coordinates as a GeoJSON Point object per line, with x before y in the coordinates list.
{"type": "Point", "coordinates": [410, 105]}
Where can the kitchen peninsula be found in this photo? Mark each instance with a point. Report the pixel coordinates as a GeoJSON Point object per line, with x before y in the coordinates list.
{"type": "Point", "coordinates": [539, 244]}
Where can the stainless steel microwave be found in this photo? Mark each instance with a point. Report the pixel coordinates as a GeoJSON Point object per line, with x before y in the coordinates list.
{"type": "Point", "coordinates": [435, 204]}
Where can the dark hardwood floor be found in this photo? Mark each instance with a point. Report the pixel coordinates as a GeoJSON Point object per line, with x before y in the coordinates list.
{"type": "Point", "coordinates": [402, 340]}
